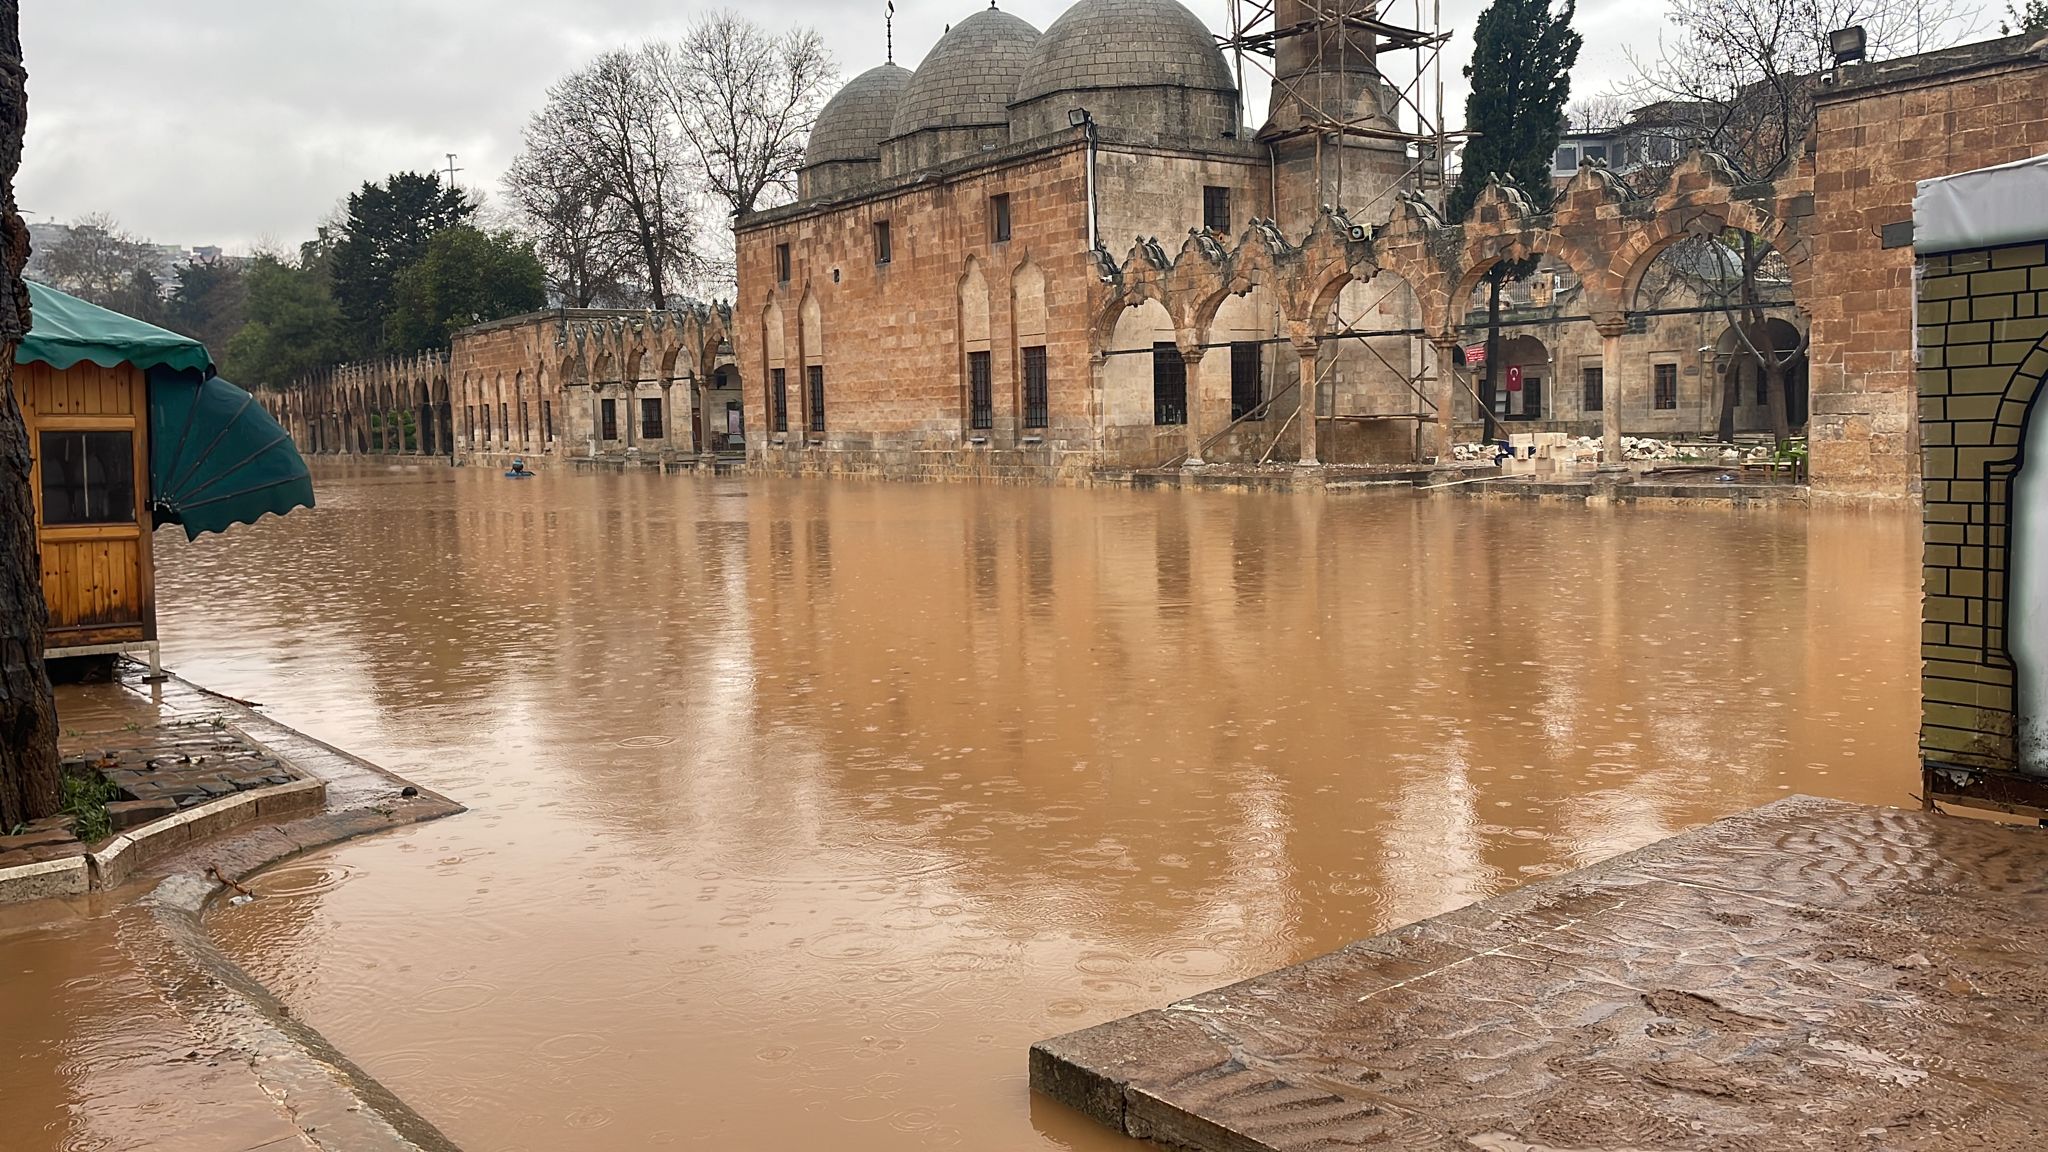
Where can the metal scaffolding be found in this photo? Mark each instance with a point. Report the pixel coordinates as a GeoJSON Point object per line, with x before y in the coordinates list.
{"type": "Point", "coordinates": [1408, 58]}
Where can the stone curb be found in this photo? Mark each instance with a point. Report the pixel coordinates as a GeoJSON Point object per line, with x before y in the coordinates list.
{"type": "Point", "coordinates": [41, 881]}
{"type": "Point", "coordinates": [122, 857]}
{"type": "Point", "coordinates": [125, 854]}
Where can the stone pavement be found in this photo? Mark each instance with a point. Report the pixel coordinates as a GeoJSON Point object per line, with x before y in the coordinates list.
{"type": "Point", "coordinates": [121, 1027]}
{"type": "Point", "coordinates": [1812, 975]}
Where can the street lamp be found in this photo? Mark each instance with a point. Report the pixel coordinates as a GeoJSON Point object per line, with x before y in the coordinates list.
{"type": "Point", "coordinates": [1847, 45]}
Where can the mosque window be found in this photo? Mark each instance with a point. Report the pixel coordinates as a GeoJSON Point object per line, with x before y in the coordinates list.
{"type": "Point", "coordinates": [1216, 209]}
{"type": "Point", "coordinates": [981, 392]}
{"type": "Point", "coordinates": [1247, 382]}
{"type": "Point", "coordinates": [1169, 385]}
{"type": "Point", "coordinates": [782, 263]}
{"type": "Point", "coordinates": [999, 218]}
{"type": "Point", "coordinates": [817, 380]}
{"type": "Point", "coordinates": [779, 379]}
{"type": "Point", "coordinates": [1666, 381]}
{"type": "Point", "coordinates": [1035, 414]}
{"type": "Point", "coordinates": [884, 249]}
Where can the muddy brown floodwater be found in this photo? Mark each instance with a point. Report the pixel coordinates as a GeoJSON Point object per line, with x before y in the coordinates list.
{"type": "Point", "coordinates": [799, 810]}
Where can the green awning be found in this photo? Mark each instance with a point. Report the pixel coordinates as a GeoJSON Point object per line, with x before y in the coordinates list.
{"type": "Point", "coordinates": [64, 330]}
{"type": "Point", "coordinates": [216, 458]}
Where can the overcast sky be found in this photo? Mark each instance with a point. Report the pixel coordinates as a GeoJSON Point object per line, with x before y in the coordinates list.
{"type": "Point", "coordinates": [236, 122]}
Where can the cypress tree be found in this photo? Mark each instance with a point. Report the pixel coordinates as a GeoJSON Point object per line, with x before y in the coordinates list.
{"type": "Point", "coordinates": [1523, 53]}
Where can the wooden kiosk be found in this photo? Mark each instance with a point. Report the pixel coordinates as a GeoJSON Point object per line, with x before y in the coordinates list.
{"type": "Point", "coordinates": [128, 429]}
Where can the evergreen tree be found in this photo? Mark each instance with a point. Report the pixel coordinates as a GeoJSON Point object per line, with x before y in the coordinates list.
{"type": "Point", "coordinates": [1523, 53]}
{"type": "Point", "coordinates": [389, 227]}
{"type": "Point", "coordinates": [293, 326]}
{"type": "Point", "coordinates": [467, 277]}
{"type": "Point", "coordinates": [210, 303]}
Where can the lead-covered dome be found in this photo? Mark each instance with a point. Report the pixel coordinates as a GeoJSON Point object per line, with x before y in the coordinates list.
{"type": "Point", "coordinates": [1147, 71]}
{"type": "Point", "coordinates": [1125, 44]}
{"type": "Point", "coordinates": [845, 149]}
{"type": "Point", "coordinates": [854, 123]}
{"type": "Point", "coordinates": [970, 75]}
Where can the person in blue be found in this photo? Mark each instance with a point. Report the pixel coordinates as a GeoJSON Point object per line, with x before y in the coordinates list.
{"type": "Point", "coordinates": [518, 471]}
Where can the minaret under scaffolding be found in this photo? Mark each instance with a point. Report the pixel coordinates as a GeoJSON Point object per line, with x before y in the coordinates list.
{"type": "Point", "coordinates": [1343, 133]}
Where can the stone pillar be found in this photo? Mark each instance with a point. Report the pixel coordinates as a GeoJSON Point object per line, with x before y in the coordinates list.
{"type": "Point", "coordinates": [1197, 431]}
{"type": "Point", "coordinates": [1612, 329]}
{"type": "Point", "coordinates": [1307, 415]}
{"type": "Point", "coordinates": [1446, 398]}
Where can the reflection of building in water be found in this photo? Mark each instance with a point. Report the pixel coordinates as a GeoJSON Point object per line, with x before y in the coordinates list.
{"type": "Point", "coordinates": [1982, 238]}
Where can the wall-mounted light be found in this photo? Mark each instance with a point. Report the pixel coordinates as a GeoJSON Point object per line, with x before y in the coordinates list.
{"type": "Point", "coordinates": [1079, 118]}
{"type": "Point", "coordinates": [1847, 45]}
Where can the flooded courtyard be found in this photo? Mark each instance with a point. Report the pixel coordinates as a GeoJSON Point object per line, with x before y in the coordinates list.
{"type": "Point", "coordinates": [798, 811]}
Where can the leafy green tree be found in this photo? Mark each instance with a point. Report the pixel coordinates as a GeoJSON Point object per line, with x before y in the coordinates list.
{"type": "Point", "coordinates": [293, 325]}
{"type": "Point", "coordinates": [468, 276]}
{"type": "Point", "coordinates": [2030, 17]}
{"type": "Point", "coordinates": [388, 229]}
{"type": "Point", "coordinates": [210, 303]}
{"type": "Point", "coordinates": [1523, 52]}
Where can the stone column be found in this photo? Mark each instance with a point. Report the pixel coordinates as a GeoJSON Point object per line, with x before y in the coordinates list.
{"type": "Point", "coordinates": [1307, 416]}
{"type": "Point", "coordinates": [1191, 361]}
{"type": "Point", "coordinates": [1612, 329]}
{"type": "Point", "coordinates": [1446, 395]}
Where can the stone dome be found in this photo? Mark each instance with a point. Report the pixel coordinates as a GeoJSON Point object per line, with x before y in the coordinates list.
{"type": "Point", "coordinates": [854, 122]}
{"type": "Point", "coordinates": [970, 75]}
{"type": "Point", "coordinates": [1100, 44]}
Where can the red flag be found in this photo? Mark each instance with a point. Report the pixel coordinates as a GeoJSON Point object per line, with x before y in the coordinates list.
{"type": "Point", "coordinates": [1514, 378]}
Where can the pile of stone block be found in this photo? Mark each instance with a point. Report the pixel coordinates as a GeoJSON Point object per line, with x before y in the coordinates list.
{"type": "Point", "coordinates": [1549, 454]}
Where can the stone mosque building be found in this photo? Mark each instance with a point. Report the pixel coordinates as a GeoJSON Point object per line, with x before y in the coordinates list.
{"type": "Point", "coordinates": [1049, 254]}
{"type": "Point", "coordinates": [932, 304]}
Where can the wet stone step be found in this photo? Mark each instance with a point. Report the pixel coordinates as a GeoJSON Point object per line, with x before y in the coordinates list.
{"type": "Point", "coordinates": [127, 814]}
{"type": "Point", "coordinates": [29, 840]}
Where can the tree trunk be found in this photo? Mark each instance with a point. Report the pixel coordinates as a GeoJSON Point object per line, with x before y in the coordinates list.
{"type": "Point", "coordinates": [1774, 387]}
{"type": "Point", "coordinates": [1731, 390]}
{"type": "Point", "coordinates": [1491, 392]}
{"type": "Point", "coordinates": [28, 715]}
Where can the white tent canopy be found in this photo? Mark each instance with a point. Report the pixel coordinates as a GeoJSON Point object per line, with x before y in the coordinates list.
{"type": "Point", "coordinates": [1987, 208]}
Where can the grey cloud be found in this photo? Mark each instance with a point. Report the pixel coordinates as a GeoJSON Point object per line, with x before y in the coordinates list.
{"type": "Point", "coordinates": [233, 121]}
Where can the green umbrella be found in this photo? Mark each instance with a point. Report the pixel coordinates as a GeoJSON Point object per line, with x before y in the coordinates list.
{"type": "Point", "coordinates": [216, 458]}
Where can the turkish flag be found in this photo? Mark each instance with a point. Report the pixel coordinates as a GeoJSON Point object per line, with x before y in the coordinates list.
{"type": "Point", "coordinates": [1514, 379]}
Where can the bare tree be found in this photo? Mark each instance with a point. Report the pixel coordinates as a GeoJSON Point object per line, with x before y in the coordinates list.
{"type": "Point", "coordinates": [608, 142]}
{"type": "Point", "coordinates": [29, 788]}
{"type": "Point", "coordinates": [1597, 113]}
{"type": "Point", "coordinates": [1745, 279]}
{"type": "Point", "coordinates": [100, 261]}
{"type": "Point", "coordinates": [1741, 73]}
{"type": "Point", "coordinates": [745, 100]}
{"type": "Point", "coordinates": [581, 232]}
